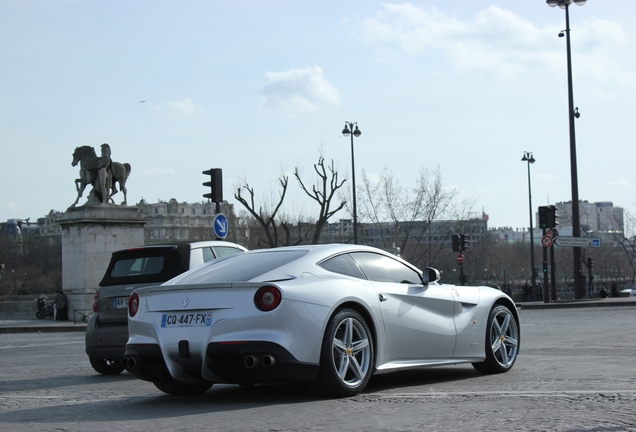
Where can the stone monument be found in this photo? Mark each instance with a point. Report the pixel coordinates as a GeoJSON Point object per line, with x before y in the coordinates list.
{"type": "Point", "coordinates": [93, 231]}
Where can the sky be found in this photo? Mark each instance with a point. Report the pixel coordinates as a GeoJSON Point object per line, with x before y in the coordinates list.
{"type": "Point", "coordinates": [258, 88]}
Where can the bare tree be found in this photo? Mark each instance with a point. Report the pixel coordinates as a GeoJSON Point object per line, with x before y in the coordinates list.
{"type": "Point", "coordinates": [265, 219]}
{"type": "Point", "coordinates": [404, 215]}
{"type": "Point", "coordinates": [626, 240]}
{"type": "Point", "coordinates": [323, 193]}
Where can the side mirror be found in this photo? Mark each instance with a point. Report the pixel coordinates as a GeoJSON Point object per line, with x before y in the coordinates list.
{"type": "Point", "coordinates": [429, 274]}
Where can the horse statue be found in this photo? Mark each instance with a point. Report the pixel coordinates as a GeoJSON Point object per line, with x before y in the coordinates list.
{"type": "Point", "coordinates": [100, 172]}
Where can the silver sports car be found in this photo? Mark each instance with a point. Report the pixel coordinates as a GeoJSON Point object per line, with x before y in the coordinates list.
{"type": "Point", "coordinates": [329, 315]}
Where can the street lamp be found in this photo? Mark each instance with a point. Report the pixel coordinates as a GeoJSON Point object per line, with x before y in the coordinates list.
{"type": "Point", "coordinates": [527, 157]}
{"type": "Point", "coordinates": [579, 289]}
{"type": "Point", "coordinates": [346, 132]}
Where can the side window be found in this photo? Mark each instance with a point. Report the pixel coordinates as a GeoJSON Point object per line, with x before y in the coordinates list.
{"type": "Point", "coordinates": [343, 264]}
{"type": "Point", "coordinates": [225, 250]}
{"type": "Point", "coordinates": [384, 269]}
{"type": "Point", "coordinates": [208, 255]}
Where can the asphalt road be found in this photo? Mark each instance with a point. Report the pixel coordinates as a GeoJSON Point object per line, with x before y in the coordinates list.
{"type": "Point", "coordinates": [576, 372]}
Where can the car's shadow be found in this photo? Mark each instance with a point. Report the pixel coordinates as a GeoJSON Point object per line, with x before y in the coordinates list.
{"type": "Point", "coordinates": [149, 403]}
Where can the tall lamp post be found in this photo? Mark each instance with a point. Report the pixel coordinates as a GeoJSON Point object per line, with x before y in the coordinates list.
{"type": "Point", "coordinates": [579, 289]}
{"type": "Point", "coordinates": [527, 157]}
{"type": "Point", "coordinates": [346, 132]}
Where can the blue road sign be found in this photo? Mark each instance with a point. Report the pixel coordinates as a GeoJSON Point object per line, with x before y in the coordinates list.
{"type": "Point", "coordinates": [220, 225]}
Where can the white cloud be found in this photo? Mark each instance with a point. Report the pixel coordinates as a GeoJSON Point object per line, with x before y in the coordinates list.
{"type": "Point", "coordinates": [496, 41]}
{"type": "Point", "coordinates": [623, 182]}
{"type": "Point", "coordinates": [184, 107]}
{"type": "Point", "coordinates": [157, 172]}
{"type": "Point", "coordinates": [298, 90]}
{"type": "Point", "coordinates": [13, 207]}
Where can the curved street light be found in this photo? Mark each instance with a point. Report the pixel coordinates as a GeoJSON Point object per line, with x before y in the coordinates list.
{"type": "Point", "coordinates": [346, 132]}
{"type": "Point", "coordinates": [527, 157]}
{"type": "Point", "coordinates": [579, 289]}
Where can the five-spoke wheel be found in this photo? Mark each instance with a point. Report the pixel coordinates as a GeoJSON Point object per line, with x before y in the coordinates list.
{"type": "Point", "coordinates": [502, 341]}
{"type": "Point", "coordinates": [346, 360]}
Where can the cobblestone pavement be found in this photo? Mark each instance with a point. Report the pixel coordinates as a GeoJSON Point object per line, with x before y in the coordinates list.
{"type": "Point", "coordinates": [576, 372]}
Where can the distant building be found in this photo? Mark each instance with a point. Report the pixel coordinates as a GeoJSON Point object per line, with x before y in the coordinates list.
{"type": "Point", "coordinates": [595, 218]}
{"type": "Point", "coordinates": [173, 220]}
{"type": "Point", "coordinates": [512, 235]}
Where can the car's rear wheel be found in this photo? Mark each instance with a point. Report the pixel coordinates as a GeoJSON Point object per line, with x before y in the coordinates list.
{"type": "Point", "coordinates": [106, 367]}
{"type": "Point", "coordinates": [502, 341]}
{"type": "Point", "coordinates": [347, 356]}
{"type": "Point", "coordinates": [178, 388]}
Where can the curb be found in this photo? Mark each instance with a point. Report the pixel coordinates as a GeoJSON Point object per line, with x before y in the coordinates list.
{"type": "Point", "coordinates": [12, 328]}
{"type": "Point", "coordinates": [579, 303]}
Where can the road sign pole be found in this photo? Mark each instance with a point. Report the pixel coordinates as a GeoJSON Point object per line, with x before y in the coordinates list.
{"type": "Point", "coordinates": [546, 295]}
{"type": "Point", "coordinates": [553, 273]}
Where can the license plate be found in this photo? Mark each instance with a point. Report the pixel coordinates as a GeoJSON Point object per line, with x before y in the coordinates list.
{"type": "Point", "coordinates": [120, 302]}
{"type": "Point", "coordinates": [187, 320]}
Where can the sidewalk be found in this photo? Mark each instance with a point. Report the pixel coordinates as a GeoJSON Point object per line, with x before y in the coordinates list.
{"type": "Point", "coordinates": [594, 302]}
{"type": "Point", "coordinates": [36, 325]}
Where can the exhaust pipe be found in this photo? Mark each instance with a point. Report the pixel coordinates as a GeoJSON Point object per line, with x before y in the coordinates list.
{"type": "Point", "coordinates": [251, 361]}
{"type": "Point", "coordinates": [130, 363]}
{"type": "Point", "coordinates": [268, 361]}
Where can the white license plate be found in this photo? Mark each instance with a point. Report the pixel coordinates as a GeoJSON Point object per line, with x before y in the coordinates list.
{"type": "Point", "coordinates": [187, 320]}
{"type": "Point", "coordinates": [120, 302]}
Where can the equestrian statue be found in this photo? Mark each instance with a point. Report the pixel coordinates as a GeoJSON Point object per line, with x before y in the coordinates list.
{"type": "Point", "coordinates": [101, 173]}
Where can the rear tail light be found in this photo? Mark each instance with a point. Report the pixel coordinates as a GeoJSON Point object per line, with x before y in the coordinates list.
{"type": "Point", "coordinates": [267, 298]}
{"type": "Point", "coordinates": [133, 304]}
{"type": "Point", "coordinates": [95, 297]}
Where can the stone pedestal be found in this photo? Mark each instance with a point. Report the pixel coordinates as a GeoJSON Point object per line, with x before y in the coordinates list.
{"type": "Point", "coordinates": [89, 236]}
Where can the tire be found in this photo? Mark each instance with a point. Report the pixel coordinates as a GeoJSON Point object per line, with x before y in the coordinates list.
{"type": "Point", "coordinates": [346, 356]}
{"type": "Point", "coordinates": [179, 389]}
{"type": "Point", "coordinates": [106, 367]}
{"type": "Point", "coordinates": [39, 315]}
{"type": "Point", "coordinates": [502, 342]}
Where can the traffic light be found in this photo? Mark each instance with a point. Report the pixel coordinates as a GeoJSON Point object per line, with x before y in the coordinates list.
{"type": "Point", "coordinates": [552, 216]}
{"type": "Point", "coordinates": [455, 243]}
{"type": "Point", "coordinates": [544, 217]}
{"type": "Point", "coordinates": [590, 263]}
{"type": "Point", "coordinates": [545, 267]}
{"type": "Point", "coordinates": [215, 184]}
{"type": "Point", "coordinates": [463, 244]}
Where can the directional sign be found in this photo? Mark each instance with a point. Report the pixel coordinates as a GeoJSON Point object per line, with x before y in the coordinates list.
{"type": "Point", "coordinates": [572, 241]}
{"type": "Point", "coordinates": [460, 258]}
{"type": "Point", "coordinates": [220, 225]}
{"type": "Point", "coordinates": [546, 241]}
{"type": "Point", "coordinates": [595, 242]}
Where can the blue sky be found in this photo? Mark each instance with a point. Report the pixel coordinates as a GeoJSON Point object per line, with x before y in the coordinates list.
{"type": "Point", "coordinates": [259, 87]}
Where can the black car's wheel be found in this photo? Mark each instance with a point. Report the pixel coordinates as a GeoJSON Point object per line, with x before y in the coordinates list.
{"type": "Point", "coordinates": [502, 341]}
{"type": "Point", "coordinates": [347, 356]}
{"type": "Point", "coordinates": [106, 367]}
{"type": "Point", "coordinates": [178, 388]}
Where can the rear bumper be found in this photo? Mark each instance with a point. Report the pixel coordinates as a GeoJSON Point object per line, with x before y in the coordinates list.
{"type": "Point", "coordinates": [106, 342]}
{"type": "Point", "coordinates": [247, 362]}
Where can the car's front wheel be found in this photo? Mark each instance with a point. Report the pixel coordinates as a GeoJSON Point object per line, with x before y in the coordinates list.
{"type": "Point", "coordinates": [347, 356]}
{"type": "Point", "coordinates": [106, 367]}
{"type": "Point", "coordinates": [502, 341]}
{"type": "Point", "coordinates": [179, 389]}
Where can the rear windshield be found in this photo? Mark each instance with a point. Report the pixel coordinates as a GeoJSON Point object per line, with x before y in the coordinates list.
{"type": "Point", "coordinates": [153, 264]}
{"type": "Point", "coordinates": [137, 267]}
{"type": "Point", "coordinates": [242, 267]}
